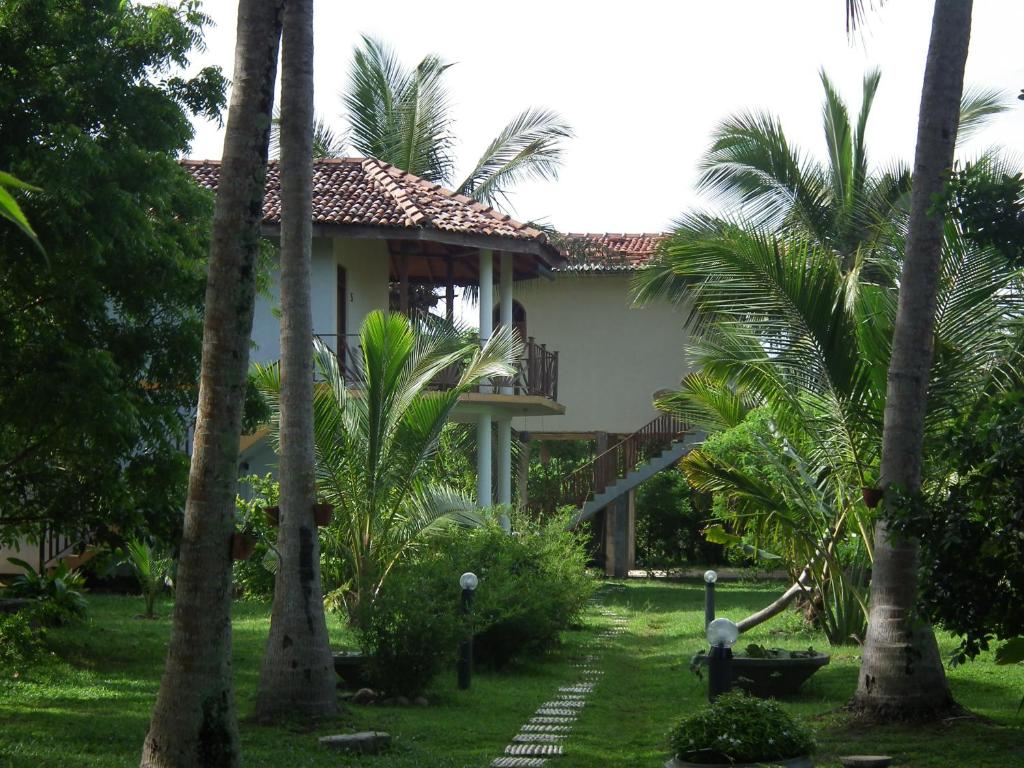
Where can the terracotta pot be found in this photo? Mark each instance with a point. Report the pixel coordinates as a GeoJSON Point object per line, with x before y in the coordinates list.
{"type": "Point", "coordinates": [242, 546]}
{"type": "Point", "coordinates": [322, 513]}
{"type": "Point", "coordinates": [872, 496]}
{"type": "Point", "coordinates": [273, 515]}
{"type": "Point", "coordinates": [793, 762]}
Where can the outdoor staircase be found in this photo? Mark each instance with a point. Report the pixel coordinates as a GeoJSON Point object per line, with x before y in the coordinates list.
{"type": "Point", "coordinates": [610, 475]}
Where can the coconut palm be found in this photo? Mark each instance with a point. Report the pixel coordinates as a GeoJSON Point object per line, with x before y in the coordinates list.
{"type": "Point", "coordinates": [403, 117]}
{"type": "Point", "coordinates": [194, 720]}
{"type": "Point", "coordinates": [377, 430]}
{"type": "Point", "coordinates": [842, 205]}
{"type": "Point", "coordinates": [776, 323]}
{"type": "Point", "coordinates": [297, 671]}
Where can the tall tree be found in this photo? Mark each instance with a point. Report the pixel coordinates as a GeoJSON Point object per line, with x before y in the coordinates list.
{"type": "Point", "coordinates": [901, 671]}
{"type": "Point", "coordinates": [194, 722]}
{"type": "Point", "coordinates": [298, 671]}
{"type": "Point", "coordinates": [403, 117]}
{"type": "Point", "coordinates": [102, 335]}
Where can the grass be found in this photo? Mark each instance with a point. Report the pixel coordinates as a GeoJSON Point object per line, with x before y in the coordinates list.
{"type": "Point", "coordinates": [88, 705]}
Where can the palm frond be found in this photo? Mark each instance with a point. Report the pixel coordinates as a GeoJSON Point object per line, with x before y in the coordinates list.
{"type": "Point", "coordinates": [977, 108]}
{"type": "Point", "coordinates": [530, 146]}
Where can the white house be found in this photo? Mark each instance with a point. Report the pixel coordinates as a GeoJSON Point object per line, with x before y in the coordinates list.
{"type": "Point", "coordinates": [592, 362]}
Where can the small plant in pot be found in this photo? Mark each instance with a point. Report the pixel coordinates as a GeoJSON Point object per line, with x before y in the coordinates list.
{"type": "Point", "coordinates": [743, 732]}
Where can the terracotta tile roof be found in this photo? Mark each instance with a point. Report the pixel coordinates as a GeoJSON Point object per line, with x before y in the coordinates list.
{"type": "Point", "coordinates": [368, 192]}
{"type": "Point", "coordinates": [609, 251]}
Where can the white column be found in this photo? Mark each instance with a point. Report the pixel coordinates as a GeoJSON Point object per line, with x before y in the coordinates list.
{"type": "Point", "coordinates": [505, 462]}
{"type": "Point", "coordinates": [486, 295]}
{"type": "Point", "coordinates": [505, 300]}
{"type": "Point", "coordinates": [484, 497]}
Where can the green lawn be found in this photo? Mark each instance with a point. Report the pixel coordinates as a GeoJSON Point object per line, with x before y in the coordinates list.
{"type": "Point", "coordinates": [89, 704]}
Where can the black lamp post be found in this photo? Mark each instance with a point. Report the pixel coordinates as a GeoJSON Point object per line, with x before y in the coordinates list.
{"type": "Point", "coordinates": [710, 577]}
{"type": "Point", "coordinates": [468, 582]}
{"type": "Point", "coordinates": [721, 634]}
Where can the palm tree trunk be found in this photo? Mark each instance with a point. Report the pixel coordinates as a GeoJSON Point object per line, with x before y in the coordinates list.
{"type": "Point", "coordinates": [901, 671]}
{"type": "Point", "coordinates": [298, 672]}
{"type": "Point", "coordinates": [194, 719]}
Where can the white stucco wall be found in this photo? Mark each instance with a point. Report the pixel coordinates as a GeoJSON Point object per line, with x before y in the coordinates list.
{"type": "Point", "coordinates": [612, 357]}
{"type": "Point", "coordinates": [366, 269]}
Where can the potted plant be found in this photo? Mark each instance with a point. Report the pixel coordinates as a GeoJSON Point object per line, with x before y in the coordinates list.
{"type": "Point", "coordinates": [743, 732]}
{"type": "Point", "coordinates": [273, 515]}
{"type": "Point", "coordinates": [769, 672]}
{"type": "Point", "coordinates": [243, 543]}
{"type": "Point", "coordinates": [322, 513]}
{"type": "Point", "coordinates": [353, 667]}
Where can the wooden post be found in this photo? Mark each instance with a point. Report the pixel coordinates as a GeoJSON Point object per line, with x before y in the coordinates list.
{"type": "Point", "coordinates": [449, 289]}
{"type": "Point", "coordinates": [403, 284]}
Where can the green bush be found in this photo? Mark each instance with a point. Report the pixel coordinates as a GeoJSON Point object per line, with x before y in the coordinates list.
{"type": "Point", "coordinates": [58, 592]}
{"type": "Point", "coordinates": [738, 728]}
{"type": "Point", "coordinates": [670, 523]}
{"type": "Point", "coordinates": [412, 629]}
{"type": "Point", "coordinates": [20, 644]}
{"type": "Point", "coordinates": [533, 584]}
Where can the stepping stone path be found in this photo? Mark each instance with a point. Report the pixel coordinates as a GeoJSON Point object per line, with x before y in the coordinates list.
{"type": "Point", "coordinates": [541, 739]}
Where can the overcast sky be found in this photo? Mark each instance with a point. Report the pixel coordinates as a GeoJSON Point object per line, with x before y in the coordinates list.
{"type": "Point", "coordinates": [644, 83]}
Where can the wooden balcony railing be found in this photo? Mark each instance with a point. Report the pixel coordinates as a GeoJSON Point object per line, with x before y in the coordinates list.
{"type": "Point", "coordinates": [536, 370]}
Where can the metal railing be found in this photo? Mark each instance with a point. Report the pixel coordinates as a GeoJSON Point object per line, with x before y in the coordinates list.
{"type": "Point", "coordinates": [622, 458]}
{"type": "Point", "coordinates": [536, 370]}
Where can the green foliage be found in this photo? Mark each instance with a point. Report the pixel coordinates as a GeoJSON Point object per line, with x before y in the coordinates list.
{"type": "Point", "coordinates": [669, 524]}
{"type": "Point", "coordinates": [988, 201]}
{"type": "Point", "coordinates": [412, 630]}
{"type": "Point", "coordinates": [254, 577]}
{"type": "Point", "coordinates": [375, 450]}
{"type": "Point", "coordinates": [533, 584]}
{"type": "Point", "coordinates": [58, 592]}
{"type": "Point", "coordinates": [20, 644]}
{"type": "Point", "coordinates": [9, 208]}
{"type": "Point", "coordinates": [738, 728]}
{"type": "Point", "coordinates": [403, 117]}
{"type": "Point", "coordinates": [151, 568]}
{"type": "Point", "coordinates": [972, 529]}
{"type": "Point", "coordinates": [103, 340]}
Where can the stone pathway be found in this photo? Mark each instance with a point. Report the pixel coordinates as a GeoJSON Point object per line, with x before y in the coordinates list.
{"type": "Point", "coordinates": [542, 737]}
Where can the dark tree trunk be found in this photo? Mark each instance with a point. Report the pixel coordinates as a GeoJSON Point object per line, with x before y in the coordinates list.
{"type": "Point", "coordinates": [901, 671]}
{"type": "Point", "coordinates": [194, 721]}
{"type": "Point", "coordinates": [298, 676]}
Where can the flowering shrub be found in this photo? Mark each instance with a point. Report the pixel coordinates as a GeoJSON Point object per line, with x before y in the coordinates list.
{"type": "Point", "coordinates": [738, 728]}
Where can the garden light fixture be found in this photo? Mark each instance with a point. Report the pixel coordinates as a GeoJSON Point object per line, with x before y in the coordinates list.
{"type": "Point", "coordinates": [721, 634]}
{"type": "Point", "coordinates": [710, 577]}
{"type": "Point", "coordinates": [468, 581]}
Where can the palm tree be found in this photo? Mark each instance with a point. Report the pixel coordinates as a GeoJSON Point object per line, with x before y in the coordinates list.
{"type": "Point", "coordinates": [776, 323]}
{"type": "Point", "coordinates": [901, 670]}
{"type": "Point", "coordinates": [403, 117]}
{"type": "Point", "coordinates": [194, 720]}
{"type": "Point", "coordinates": [297, 675]}
{"type": "Point", "coordinates": [377, 430]}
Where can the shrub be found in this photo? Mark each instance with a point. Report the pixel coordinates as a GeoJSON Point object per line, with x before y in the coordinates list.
{"type": "Point", "coordinates": [412, 628]}
{"type": "Point", "coordinates": [533, 585]}
{"type": "Point", "coordinates": [20, 644]}
{"type": "Point", "coordinates": [670, 523]}
{"type": "Point", "coordinates": [57, 590]}
{"type": "Point", "coordinates": [738, 728]}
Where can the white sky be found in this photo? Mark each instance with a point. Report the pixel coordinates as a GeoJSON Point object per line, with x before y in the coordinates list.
{"type": "Point", "coordinates": [644, 83]}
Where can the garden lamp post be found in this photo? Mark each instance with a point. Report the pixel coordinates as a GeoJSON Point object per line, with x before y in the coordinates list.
{"type": "Point", "coordinates": [721, 633]}
{"type": "Point", "coordinates": [468, 582]}
{"type": "Point", "coordinates": [710, 577]}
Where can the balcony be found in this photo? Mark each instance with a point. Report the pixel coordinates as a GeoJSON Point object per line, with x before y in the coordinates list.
{"type": "Point", "coordinates": [536, 370]}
